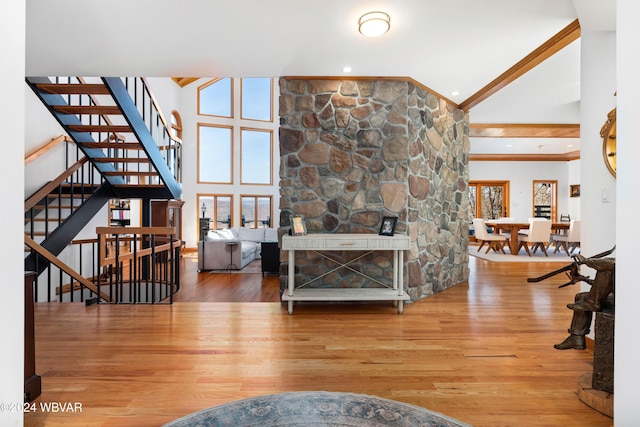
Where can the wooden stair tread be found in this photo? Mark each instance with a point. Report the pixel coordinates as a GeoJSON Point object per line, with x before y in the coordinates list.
{"type": "Point", "coordinates": [113, 145]}
{"type": "Point", "coordinates": [74, 88]}
{"type": "Point", "coordinates": [89, 109]}
{"type": "Point", "coordinates": [100, 128]}
{"type": "Point", "coordinates": [140, 185]}
{"type": "Point", "coordinates": [121, 160]}
{"type": "Point", "coordinates": [132, 173]}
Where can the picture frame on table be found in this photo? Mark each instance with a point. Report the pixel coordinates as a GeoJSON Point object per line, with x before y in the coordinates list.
{"type": "Point", "coordinates": [574, 190]}
{"type": "Point", "coordinates": [298, 227]}
{"type": "Point", "coordinates": [388, 226]}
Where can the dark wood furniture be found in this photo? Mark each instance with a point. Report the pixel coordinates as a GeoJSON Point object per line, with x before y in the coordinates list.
{"type": "Point", "coordinates": [270, 253]}
{"type": "Point", "coordinates": [167, 213]}
{"type": "Point", "coordinates": [32, 381]}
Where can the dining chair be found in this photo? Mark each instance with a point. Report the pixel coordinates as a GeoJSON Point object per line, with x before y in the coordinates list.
{"type": "Point", "coordinates": [494, 241]}
{"type": "Point", "coordinates": [538, 235]}
{"type": "Point", "coordinates": [570, 241]}
{"type": "Point", "coordinates": [530, 220]}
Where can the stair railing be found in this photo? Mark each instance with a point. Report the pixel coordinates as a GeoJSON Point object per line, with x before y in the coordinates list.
{"type": "Point", "coordinates": [53, 282]}
{"type": "Point", "coordinates": [73, 186]}
{"type": "Point", "coordinates": [169, 145]}
{"type": "Point", "coordinates": [139, 267]}
{"type": "Point", "coordinates": [138, 264]}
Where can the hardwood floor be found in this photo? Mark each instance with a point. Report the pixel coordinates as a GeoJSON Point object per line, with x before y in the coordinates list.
{"type": "Point", "coordinates": [481, 352]}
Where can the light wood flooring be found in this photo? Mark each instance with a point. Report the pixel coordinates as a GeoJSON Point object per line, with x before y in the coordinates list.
{"type": "Point", "coordinates": [481, 352]}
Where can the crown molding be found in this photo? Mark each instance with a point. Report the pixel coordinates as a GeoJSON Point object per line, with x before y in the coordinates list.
{"type": "Point", "coordinates": [515, 130]}
{"type": "Point", "coordinates": [565, 157]}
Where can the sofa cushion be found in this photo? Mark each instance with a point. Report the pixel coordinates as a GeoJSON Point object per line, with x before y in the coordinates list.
{"type": "Point", "coordinates": [251, 234]}
{"type": "Point", "coordinates": [270, 234]}
{"type": "Point", "coordinates": [212, 235]}
{"type": "Point", "coordinates": [249, 249]}
{"type": "Point", "coordinates": [227, 233]}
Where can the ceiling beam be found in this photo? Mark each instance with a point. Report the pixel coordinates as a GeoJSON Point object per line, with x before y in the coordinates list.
{"type": "Point", "coordinates": [516, 130]}
{"type": "Point", "coordinates": [556, 43]}
{"type": "Point", "coordinates": [565, 157]}
{"type": "Point", "coordinates": [183, 81]}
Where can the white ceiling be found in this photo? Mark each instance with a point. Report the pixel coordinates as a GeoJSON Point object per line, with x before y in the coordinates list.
{"type": "Point", "coordinates": [447, 45]}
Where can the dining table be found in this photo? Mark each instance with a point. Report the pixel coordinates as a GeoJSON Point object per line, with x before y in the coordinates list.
{"type": "Point", "coordinates": [515, 226]}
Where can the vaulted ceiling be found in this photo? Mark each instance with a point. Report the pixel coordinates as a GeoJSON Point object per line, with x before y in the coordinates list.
{"type": "Point", "coordinates": [514, 64]}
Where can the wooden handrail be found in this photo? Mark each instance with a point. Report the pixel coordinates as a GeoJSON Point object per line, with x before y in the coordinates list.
{"type": "Point", "coordinates": [46, 147]}
{"type": "Point", "coordinates": [104, 232]}
{"type": "Point", "coordinates": [40, 194]}
{"type": "Point", "coordinates": [62, 266]}
{"type": "Point", "coordinates": [167, 126]}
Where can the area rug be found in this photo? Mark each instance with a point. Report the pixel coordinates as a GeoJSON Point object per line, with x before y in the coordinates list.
{"type": "Point", "coordinates": [522, 256]}
{"type": "Point", "coordinates": [316, 409]}
{"type": "Point", "coordinates": [254, 266]}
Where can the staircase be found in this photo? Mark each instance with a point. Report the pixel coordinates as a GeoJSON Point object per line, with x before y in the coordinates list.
{"type": "Point", "coordinates": [126, 151]}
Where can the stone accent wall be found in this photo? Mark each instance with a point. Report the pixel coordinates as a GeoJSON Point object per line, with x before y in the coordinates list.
{"type": "Point", "coordinates": [355, 151]}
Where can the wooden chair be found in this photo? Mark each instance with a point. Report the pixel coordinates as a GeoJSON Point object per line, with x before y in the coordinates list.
{"type": "Point", "coordinates": [494, 241]}
{"type": "Point", "coordinates": [538, 235]}
{"type": "Point", "coordinates": [570, 241]}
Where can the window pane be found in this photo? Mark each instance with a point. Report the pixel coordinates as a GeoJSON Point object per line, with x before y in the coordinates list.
{"type": "Point", "coordinates": [264, 212]}
{"type": "Point", "coordinates": [491, 201]}
{"type": "Point", "coordinates": [256, 98]}
{"type": "Point", "coordinates": [215, 98]}
{"type": "Point", "coordinates": [223, 212]}
{"type": "Point", "coordinates": [256, 157]}
{"type": "Point", "coordinates": [248, 212]}
{"type": "Point", "coordinates": [542, 199]}
{"type": "Point", "coordinates": [472, 202]}
{"type": "Point", "coordinates": [214, 154]}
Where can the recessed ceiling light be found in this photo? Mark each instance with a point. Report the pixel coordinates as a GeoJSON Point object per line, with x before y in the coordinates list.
{"type": "Point", "coordinates": [455, 93]}
{"type": "Point", "coordinates": [569, 145]}
{"type": "Point", "coordinates": [509, 145]}
{"type": "Point", "coordinates": [346, 69]}
{"type": "Point", "coordinates": [374, 24]}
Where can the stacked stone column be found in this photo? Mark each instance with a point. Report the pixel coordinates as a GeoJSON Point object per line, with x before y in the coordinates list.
{"type": "Point", "coordinates": [355, 151]}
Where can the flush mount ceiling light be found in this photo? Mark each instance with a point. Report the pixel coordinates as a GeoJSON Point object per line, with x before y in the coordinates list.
{"type": "Point", "coordinates": [374, 24]}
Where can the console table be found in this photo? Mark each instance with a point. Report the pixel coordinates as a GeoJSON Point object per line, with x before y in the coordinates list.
{"type": "Point", "coordinates": [346, 242]}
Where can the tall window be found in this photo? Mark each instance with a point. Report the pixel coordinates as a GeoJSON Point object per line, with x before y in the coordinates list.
{"type": "Point", "coordinates": [216, 98]}
{"type": "Point", "coordinates": [256, 158]}
{"type": "Point", "coordinates": [256, 98]}
{"type": "Point", "coordinates": [217, 207]}
{"type": "Point", "coordinates": [215, 159]}
{"type": "Point", "coordinates": [256, 211]}
{"type": "Point", "coordinates": [490, 199]}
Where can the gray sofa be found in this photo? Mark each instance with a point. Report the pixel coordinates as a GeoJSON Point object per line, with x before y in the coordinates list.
{"type": "Point", "coordinates": [232, 248]}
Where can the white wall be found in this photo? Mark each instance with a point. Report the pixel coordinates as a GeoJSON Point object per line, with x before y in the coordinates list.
{"type": "Point", "coordinates": [40, 128]}
{"type": "Point", "coordinates": [627, 374]}
{"type": "Point", "coordinates": [521, 176]}
{"type": "Point", "coordinates": [573, 175]}
{"type": "Point", "coordinates": [12, 107]}
{"type": "Point", "coordinates": [598, 186]}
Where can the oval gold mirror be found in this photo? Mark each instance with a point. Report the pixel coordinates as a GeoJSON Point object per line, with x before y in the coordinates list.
{"type": "Point", "coordinates": [608, 134]}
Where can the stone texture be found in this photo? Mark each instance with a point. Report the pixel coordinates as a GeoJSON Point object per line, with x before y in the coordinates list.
{"type": "Point", "coordinates": [354, 151]}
